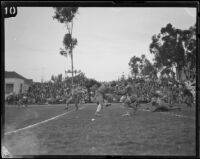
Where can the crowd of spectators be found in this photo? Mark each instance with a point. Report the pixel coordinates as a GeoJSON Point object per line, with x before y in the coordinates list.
{"type": "Point", "coordinates": [56, 92]}
{"type": "Point", "coordinates": [41, 93]}
{"type": "Point", "coordinates": [171, 90]}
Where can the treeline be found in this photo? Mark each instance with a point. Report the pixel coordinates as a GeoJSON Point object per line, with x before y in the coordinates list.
{"type": "Point", "coordinates": [174, 53]}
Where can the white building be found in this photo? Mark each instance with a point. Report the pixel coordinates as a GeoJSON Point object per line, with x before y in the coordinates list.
{"type": "Point", "coordinates": [15, 83]}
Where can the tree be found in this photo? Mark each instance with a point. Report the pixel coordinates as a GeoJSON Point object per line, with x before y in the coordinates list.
{"type": "Point", "coordinates": [123, 78]}
{"type": "Point", "coordinates": [145, 66]}
{"type": "Point", "coordinates": [142, 63]}
{"type": "Point", "coordinates": [59, 78]}
{"type": "Point", "coordinates": [53, 78]}
{"type": "Point", "coordinates": [167, 71]}
{"type": "Point", "coordinates": [134, 64]}
{"type": "Point", "coordinates": [66, 15]}
{"type": "Point", "coordinates": [190, 49]}
{"type": "Point", "coordinates": [113, 83]}
{"type": "Point", "coordinates": [69, 43]}
{"type": "Point", "coordinates": [173, 47]}
{"type": "Point", "coordinates": [148, 68]}
{"type": "Point", "coordinates": [82, 78]}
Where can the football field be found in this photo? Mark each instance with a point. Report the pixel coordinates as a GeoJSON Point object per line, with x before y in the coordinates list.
{"type": "Point", "coordinates": [51, 130]}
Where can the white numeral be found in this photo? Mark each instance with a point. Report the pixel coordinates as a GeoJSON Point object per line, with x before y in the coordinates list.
{"type": "Point", "coordinates": [12, 10]}
{"type": "Point", "coordinates": [6, 11]}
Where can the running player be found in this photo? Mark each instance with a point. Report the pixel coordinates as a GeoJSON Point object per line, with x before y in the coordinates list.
{"type": "Point", "coordinates": [100, 98]}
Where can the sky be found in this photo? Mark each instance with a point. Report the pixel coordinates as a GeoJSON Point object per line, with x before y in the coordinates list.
{"type": "Point", "coordinates": [107, 39]}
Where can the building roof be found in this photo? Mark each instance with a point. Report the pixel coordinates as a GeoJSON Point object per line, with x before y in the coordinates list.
{"type": "Point", "coordinates": [29, 81]}
{"type": "Point", "coordinates": [13, 74]}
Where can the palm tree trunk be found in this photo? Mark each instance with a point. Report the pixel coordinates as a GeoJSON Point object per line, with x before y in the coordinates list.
{"type": "Point", "coordinates": [72, 55]}
{"type": "Point", "coordinates": [72, 68]}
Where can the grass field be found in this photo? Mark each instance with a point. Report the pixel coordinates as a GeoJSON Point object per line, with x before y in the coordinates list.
{"type": "Point", "coordinates": [146, 133]}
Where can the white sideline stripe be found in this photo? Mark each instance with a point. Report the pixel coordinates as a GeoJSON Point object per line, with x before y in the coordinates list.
{"type": "Point", "coordinates": [41, 122]}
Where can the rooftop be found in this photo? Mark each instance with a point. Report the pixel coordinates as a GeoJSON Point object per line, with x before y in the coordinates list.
{"type": "Point", "coordinates": [13, 74]}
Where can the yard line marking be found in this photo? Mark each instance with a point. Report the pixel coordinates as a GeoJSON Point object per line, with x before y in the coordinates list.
{"type": "Point", "coordinates": [42, 122]}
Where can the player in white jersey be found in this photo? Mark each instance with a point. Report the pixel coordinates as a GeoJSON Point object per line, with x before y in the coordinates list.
{"type": "Point", "coordinates": [100, 98]}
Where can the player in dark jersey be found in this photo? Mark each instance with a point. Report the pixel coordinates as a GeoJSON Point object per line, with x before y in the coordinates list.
{"type": "Point", "coordinates": [22, 100]}
{"type": "Point", "coordinates": [75, 96]}
{"type": "Point", "coordinates": [159, 104]}
{"type": "Point", "coordinates": [130, 100]}
{"type": "Point", "coordinates": [188, 97]}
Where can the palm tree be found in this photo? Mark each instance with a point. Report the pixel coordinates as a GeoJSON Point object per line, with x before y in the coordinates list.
{"type": "Point", "coordinates": [66, 15]}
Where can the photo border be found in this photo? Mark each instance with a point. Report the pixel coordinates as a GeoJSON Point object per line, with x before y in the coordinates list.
{"type": "Point", "coordinates": [193, 4]}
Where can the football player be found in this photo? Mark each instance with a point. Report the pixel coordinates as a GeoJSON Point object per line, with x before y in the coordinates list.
{"type": "Point", "coordinates": [100, 98]}
{"type": "Point", "coordinates": [129, 99]}
{"type": "Point", "coordinates": [74, 96]}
